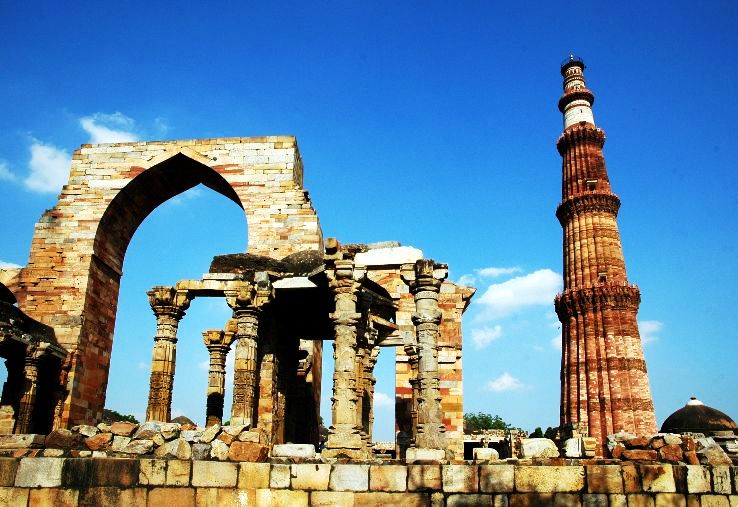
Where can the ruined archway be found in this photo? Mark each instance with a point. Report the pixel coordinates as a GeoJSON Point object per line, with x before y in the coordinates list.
{"type": "Point", "coordinates": [72, 279]}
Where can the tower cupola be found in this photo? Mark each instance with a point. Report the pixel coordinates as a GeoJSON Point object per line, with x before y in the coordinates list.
{"type": "Point", "coordinates": [576, 102]}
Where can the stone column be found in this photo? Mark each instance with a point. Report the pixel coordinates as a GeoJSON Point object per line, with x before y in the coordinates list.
{"type": "Point", "coordinates": [247, 302]}
{"type": "Point", "coordinates": [169, 306]}
{"type": "Point", "coordinates": [24, 421]}
{"type": "Point", "coordinates": [344, 436]}
{"type": "Point", "coordinates": [411, 350]}
{"type": "Point", "coordinates": [370, 382]}
{"type": "Point", "coordinates": [218, 344]}
{"type": "Point", "coordinates": [425, 280]}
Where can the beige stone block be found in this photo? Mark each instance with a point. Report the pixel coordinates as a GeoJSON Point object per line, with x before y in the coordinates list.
{"type": "Point", "coordinates": [51, 497]}
{"type": "Point", "coordinates": [214, 474]}
{"type": "Point", "coordinates": [671, 500]}
{"type": "Point", "coordinates": [424, 477]}
{"type": "Point", "coordinates": [721, 480]}
{"type": "Point", "coordinates": [279, 477]}
{"type": "Point", "coordinates": [349, 478]}
{"type": "Point", "coordinates": [152, 472]}
{"type": "Point", "coordinates": [640, 500]}
{"type": "Point", "coordinates": [43, 472]}
{"type": "Point", "coordinates": [332, 499]}
{"type": "Point", "coordinates": [698, 479]}
{"type": "Point", "coordinates": [170, 497]}
{"type": "Point", "coordinates": [281, 498]}
{"type": "Point", "coordinates": [14, 497]}
{"type": "Point", "coordinates": [310, 477]}
{"type": "Point", "coordinates": [388, 478]}
{"type": "Point", "coordinates": [496, 478]}
{"type": "Point", "coordinates": [215, 497]}
{"type": "Point", "coordinates": [618, 500]}
{"type": "Point", "coordinates": [573, 500]}
{"type": "Point", "coordinates": [549, 479]}
{"type": "Point", "coordinates": [253, 475]}
{"type": "Point", "coordinates": [468, 499]}
{"type": "Point", "coordinates": [714, 501]}
{"type": "Point", "coordinates": [460, 478]}
{"type": "Point", "coordinates": [733, 500]}
{"type": "Point", "coordinates": [658, 478]}
{"type": "Point", "coordinates": [178, 472]}
{"type": "Point", "coordinates": [531, 500]}
{"type": "Point", "coordinates": [604, 479]}
{"type": "Point", "coordinates": [370, 499]}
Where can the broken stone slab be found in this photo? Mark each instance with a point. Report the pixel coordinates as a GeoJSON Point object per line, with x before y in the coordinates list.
{"type": "Point", "coordinates": [138, 447]}
{"type": "Point", "coordinates": [713, 455]}
{"type": "Point", "coordinates": [250, 436]}
{"type": "Point", "coordinates": [178, 448]}
{"type": "Point", "coordinates": [219, 450]}
{"type": "Point", "coordinates": [123, 428]}
{"type": "Point", "coordinates": [415, 454]}
{"type": "Point", "coordinates": [119, 443]}
{"type": "Point", "coordinates": [538, 448]}
{"type": "Point", "coordinates": [63, 439]}
{"type": "Point", "coordinates": [209, 434]}
{"type": "Point", "coordinates": [235, 430]}
{"type": "Point", "coordinates": [169, 430]}
{"type": "Point", "coordinates": [99, 441]}
{"type": "Point", "coordinates": [388, 256]}
{"type": "Point", "coordinates": [620, 436]}
{"type": "Point", "coordinates": [30, 440]}
{"type": "Point", "coordinates": [191, 436]}
{"type": "Point", "coordinates": [485, 454]}
{"type": "Point", "coordinates": [250, 451]}
{"type": "Point", "coordinates": [306, 451]}
{"type": "Point", "coordinates": [147, 431]}
{"type": "Point", "coordinates": [573, 448]}
{"type": "Point", "coordinates": [200, 451]}
{"type": "Point", "coordinates": [86, 430]}
{"type": "Point", "coordinates": [105, 428]}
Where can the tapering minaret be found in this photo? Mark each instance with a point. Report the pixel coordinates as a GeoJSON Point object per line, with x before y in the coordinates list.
{"type": "Point", "coordinates": [604, 383]}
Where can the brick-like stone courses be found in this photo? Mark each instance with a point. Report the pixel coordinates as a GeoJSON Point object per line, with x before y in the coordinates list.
{"type": "Point", "coordinates": [72, 277]}
{"type": "Point", "coordinates": [114, 482]}
{"type": "Point", "coordinates": [452, 302]}
{"type": "Point", "coordinates": [604, 382]}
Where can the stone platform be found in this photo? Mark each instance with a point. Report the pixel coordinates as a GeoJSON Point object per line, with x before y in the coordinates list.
{"type": "Point", "coordinates": [152, 482]}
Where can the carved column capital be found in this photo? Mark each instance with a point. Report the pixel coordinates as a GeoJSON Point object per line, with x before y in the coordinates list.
{"type": "Point", "coordinates": [168, 302]}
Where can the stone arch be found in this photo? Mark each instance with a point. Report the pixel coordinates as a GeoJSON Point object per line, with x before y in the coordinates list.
{"type": "Point", "coordinates": [72, 278]}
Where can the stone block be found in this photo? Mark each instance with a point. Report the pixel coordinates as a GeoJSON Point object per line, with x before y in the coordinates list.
{"type": "Point", "coordinates": [119, 443]}
{"type": "Point", "coordinates": [460, 478]}
{"type": "Point", "coordinates": [573, 447]}
{"type": "Point", "coordinates": [219, 450]}
{"type": "Point", "coordinates": [714, 501]}
{"type": "Point", "coordinates": [640, 500]}
{"type": "Point", "coordinates": [214, 497]}
{"type": "Point", "coordinates": [698, 479]}
{"type": "Point", "coordinates": [14, 497]}
{"type": "Point", "coordinates": [8, 469]}
{"type": "Point", "coordinates": [549, 479]}
{"type": "Point", "coordinates": [152, 472]}
{"type": "Point", "coordinates": [21, 441]}
{"type": "Point", "coordinates": [147, 430]}
{"type": "Point", "coordinates": [178, 472]}
{"type": "Point", "coordinates": [201, 451]}
{"type": "Point", "coordinates": [170, 497]}
{"type": "Point", "coordinates": [531, 500]}
{"type": "Point", "coordinates": [671, 453]}
{"type": "Point", "coordinates": [39, 472]}
{"type": "Point", "coordinates": [310, 477]}
{"type": "Point", "coordinates": [214, 474]}
{"type": "Point", "coordinates": [248, 451]}
{"type": "Point", "coordinates": [657, 478]}
{"type": "Point", "coordinates": [280, 476]}
{"type": "Point", "coordinates": [414, 454]}
{"type": "Point", "coordinates": [539, 448]}
{"type": "Point", "coordinates": [631, 478]}
{"type": "Point", "coordinates": [111, 496]}
{"type": "Point", "coordinates": [253, 475]}
{"type": "Point", "coordinates": [63, 439]}
{"type": "Point", "coordinates": [485, 454]}
{"type": "Point", "coordinates": [349, 478]}
{"type": "Point", "coordinates": [671, 500]}
{"type": "Point", "coordinates": [721, 480]}
{"type": "Point", "coordinates": [99, 441]}
{"type": "Point", "coordinates": [640, 454]}
{"type": "Point", "coordinates": [52, 497]}
{"type": "Point", "coordinates": [424, 477]}
{"type": "Point", "coordinates": [122, 473]}
{"type": "Point", "coordinates": [617, 500]}
{"type": "Point", "coordinates": [209, 434]}
{"type": "Point", "coordinates": [390, 499]}
{"type": "Point", "coordinates": [281, 497]}
{"type": "Point", "coordinates": [123, 428]}
{"type": "Point", "coordinates": [306, 451]}
{"type": "Point", "coordinates": [138, 447]}
{"type": "Point", "coordinates": [332, 499]}
{"type": "Point", "coordinates": [496, 478]}
{"type": "Point", "coordinates": [573, 500]}
{"type": "Point", "coordinates": [388, 478]}
{"type": "Point", "coordinates": [178, 448]}
{"type": "Point", "coordinates": [604, 479]}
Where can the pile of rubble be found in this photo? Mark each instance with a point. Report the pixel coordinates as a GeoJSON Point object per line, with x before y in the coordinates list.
{"type": "Point", "coordinates": [668, 447]}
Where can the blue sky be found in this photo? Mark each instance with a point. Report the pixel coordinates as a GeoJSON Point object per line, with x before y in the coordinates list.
{"type": "Point", "coordinates": [432, 124]}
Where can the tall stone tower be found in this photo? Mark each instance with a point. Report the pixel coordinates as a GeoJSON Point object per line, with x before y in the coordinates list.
{"type": "Point", "coordinates": [604, 384]}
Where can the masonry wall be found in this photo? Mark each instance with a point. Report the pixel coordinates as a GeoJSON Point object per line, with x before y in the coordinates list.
{"type": "Point", "coordinates": [115, 482]}
{"type": "Point", "coordinates": [72, 277]}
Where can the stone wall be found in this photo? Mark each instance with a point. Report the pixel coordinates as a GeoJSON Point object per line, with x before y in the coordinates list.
{"type": "Point", "coordinates": [151, 482]}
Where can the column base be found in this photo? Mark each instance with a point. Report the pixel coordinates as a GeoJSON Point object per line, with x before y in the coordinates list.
{"type": "Point", "coordinates": [414, 454]}
{"type": "Point", "coordinates": [354, 454]}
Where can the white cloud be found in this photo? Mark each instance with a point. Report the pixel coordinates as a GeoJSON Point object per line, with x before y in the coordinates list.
{"type": "Point", "coordinates": [485, 335]}
{"type": "Point", "coordinates": [109, 128]}
{"type": "Point", "coordinates": [142, 366]}
{"type": "Point", "coordinates": [504, 382]}
{"type": "Point", "coordinates": [161, 126]}
{"type": "Point", "coordinates": [189, 195]}
{"type": "Point", "coordinates": [497, 272]}
{"type": "Point", "coordinates": [9, 265]}
{"type": "Point", "coordinates": [650, 330]}
{"type": "Point", "coordinates": [502, 299]}
{"type": "Point", "coordinates": [466, 280]}
{"type": "Point", "coordinates": [382, 400]}
{"type": "Point", "coordinates": [5, 173]}
{"type": "Point", "coordinates": [556, 342]}
{"type": "Point", "coordinates": [49, 168]}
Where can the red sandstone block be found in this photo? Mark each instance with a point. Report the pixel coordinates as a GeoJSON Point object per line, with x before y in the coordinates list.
{"type": "Point", "coordinates": [639, 454]}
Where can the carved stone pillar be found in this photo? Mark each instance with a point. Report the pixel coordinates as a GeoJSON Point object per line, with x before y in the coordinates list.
{"type": "Point", "coordinates": [344, 436]}
{"type": "Point", "coordinates": [425, 283]}
{"type": "Point", "coordinates": [247, 302]}
{"type": "Point", "coordinates": [218, 344]}
{"type": "Point", "coordinates": [369, 382]}
{"type": "Point", "coordinates": [169, 306]}
{"type": "Point", "coordinates": [30, 388]}
{"type": "Point", "coordinates": [411, 350]}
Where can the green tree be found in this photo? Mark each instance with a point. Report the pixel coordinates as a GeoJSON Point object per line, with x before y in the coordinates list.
{"type": "Point", "coordinates": [536, 433]}
{"type": "Point", "coordinates": [482, 421]}
{"type": "Point", "coordinates": [111, 416]}
{"type": "Point", "coordinates": [550, 433]}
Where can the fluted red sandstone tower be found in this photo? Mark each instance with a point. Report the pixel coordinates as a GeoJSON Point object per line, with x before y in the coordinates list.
{"type": "Point", "coordinates": [604, 384]}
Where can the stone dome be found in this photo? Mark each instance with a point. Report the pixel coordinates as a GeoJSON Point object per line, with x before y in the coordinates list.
{"type": "Point", "coordinates": [696, 417]}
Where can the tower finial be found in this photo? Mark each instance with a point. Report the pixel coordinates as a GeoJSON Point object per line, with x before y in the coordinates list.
{"type": "Point", "coordinates": [576, 102]}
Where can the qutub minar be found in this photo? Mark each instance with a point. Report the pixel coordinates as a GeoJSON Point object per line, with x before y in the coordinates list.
{"type": "Point", "coordinates": [604, 383]}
